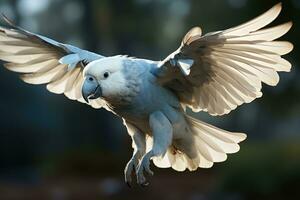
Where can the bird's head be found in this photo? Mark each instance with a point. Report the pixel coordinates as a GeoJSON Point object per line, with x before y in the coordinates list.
{"type": "Point", "coordinates": [103, 78]}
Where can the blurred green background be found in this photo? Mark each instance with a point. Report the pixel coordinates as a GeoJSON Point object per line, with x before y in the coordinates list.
{"type": "Point", "coordinates": [57, 149]}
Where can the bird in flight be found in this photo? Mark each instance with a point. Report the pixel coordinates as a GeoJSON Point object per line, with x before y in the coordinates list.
{"type": "Point", "coordinates": [214, 73]}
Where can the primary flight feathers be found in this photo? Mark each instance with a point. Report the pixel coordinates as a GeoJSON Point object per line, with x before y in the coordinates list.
{"type": "Point", "coordinates": [41, 60]}
{"type": "Point", "coordinates": [229, 65]}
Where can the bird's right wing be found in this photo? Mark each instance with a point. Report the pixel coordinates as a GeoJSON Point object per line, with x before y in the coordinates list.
{"type": "Point", "coordinates": [41, 60]}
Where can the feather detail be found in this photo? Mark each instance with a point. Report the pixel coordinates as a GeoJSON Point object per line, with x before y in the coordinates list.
{"type": "Point", "coordinates": [229, 66]}
{"type": "Point", "coordinates": [42, 60]}
{"type": "Point", "coordinates": [210, 144]}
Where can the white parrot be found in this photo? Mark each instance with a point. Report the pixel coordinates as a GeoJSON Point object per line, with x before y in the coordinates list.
{"type": "Point", "coordinates": [214, 73]}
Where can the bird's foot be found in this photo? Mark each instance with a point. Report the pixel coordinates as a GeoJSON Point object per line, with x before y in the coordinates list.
{"type": "Point", "coordinates": [144, 166]}
{"type": "Point", "coordinates": [130, 169]}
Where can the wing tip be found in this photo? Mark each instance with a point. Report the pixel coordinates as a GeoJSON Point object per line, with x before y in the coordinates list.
{"type": "Point", "coordinates": [25, 78]}
{"type": "Point", "coordinates": [291, 23]}
{"type": "Point", "coordinates": [277, 7]}
{"type": "Point", "coordinates": [275, 10]}
{"type": "Point", "coordinates": [193, 32]}
{"type": "Point", "coordinates": [279, 4]}
{"type": "Point", "coordinates": [243, 136]}
{"type": "Point", "coordinates": [288, 25]}
{"type": "Point", "coordinates": [289, 47]}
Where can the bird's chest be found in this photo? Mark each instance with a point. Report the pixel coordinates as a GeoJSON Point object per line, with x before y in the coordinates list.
{"type": "Point", "coordinates": [149, 98]}
{"type": "Point", "coordinates": [137, 107]}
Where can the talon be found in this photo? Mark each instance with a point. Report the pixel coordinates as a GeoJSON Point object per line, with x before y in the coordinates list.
{"type": "Point", "coordinates": [149, 171]}
{"type": "Point", "coordinates": [145, 184]}
{"type": "Point", "coordinates": [141, 180]}
{"type": "Point", "coordinates": [144, 167]}
{"type": "Point", "coordinates": [129, 169]}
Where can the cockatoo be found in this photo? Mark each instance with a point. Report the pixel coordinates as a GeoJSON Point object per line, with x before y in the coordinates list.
{"type": "Point", "coordinates": [214, 73]}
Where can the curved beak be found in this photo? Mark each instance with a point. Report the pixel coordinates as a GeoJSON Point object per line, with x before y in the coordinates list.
{"type": "Point", "coordinates": [90, 90]}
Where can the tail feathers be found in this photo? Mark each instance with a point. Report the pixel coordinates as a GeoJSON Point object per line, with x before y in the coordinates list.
{"type": "Point", "coordinates": [209, 144]}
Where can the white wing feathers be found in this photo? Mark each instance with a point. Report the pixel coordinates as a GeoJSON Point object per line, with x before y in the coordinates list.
{"type": "Point", "coordinates": [228, 66]}
{"type": "Point", "coordinates": [41, 60]}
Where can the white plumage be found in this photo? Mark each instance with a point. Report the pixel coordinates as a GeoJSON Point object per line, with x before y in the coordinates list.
{"type": "Point", "coordinates": [211, 143]}
{"type": "Point", "coordinates": [231, 64]}
{"type": "Point", "coordinates": [215, 73]}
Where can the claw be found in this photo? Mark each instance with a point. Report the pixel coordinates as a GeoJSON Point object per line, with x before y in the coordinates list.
{"type": "Point", "coordinates": [146, 184]}
{"type": "Point", "coordinates": [148, 170]}
{"type": "Point", "coordinates": [141, 180]}
{"type": "Point", "coordinates": [144, 167]}
{"type": "Point", "coordinates": [128, 171]}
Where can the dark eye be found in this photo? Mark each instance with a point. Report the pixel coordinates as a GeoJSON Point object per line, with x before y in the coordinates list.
{"type": "Point", "coordinates": [91, 79]}
{"type": "Point", "coordinates": [106, 74]}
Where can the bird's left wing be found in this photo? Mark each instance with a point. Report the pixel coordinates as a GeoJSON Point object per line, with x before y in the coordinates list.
{"type": "Point", "coordinates": [41, 60]}
{"type": "Point", "coordinates": [221, 70]}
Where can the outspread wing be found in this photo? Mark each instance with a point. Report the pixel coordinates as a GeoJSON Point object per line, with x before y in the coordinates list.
{"type": "Point", "coordinates": [221, 70]}
{"type": "Point", "coordinates": [41, 60]}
